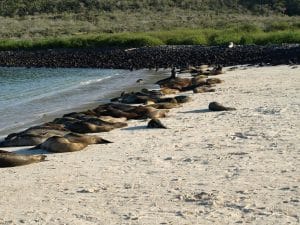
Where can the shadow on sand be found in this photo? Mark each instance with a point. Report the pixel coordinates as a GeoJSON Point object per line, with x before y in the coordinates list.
{"type": "Point", "coordinates": [135, 128]}
{"type": "Point", "coordinates": [198, 111]}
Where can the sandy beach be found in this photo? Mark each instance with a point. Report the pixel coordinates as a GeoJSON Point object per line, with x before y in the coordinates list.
{"type": "Point", "coordinates": [236, 167]}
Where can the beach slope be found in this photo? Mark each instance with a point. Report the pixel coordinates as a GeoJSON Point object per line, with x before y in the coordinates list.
{"type": "Point", "coordinates": [235, 167]}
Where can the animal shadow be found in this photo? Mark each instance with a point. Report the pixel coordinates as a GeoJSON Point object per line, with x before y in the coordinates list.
{"type": "Point", "coordinates": [142, 127]}
{"type": "Point", "coordinates": [197, 111]}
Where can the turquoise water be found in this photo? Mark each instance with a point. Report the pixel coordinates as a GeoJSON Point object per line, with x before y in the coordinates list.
{"type": "Point", "coordinates": [32, 95]}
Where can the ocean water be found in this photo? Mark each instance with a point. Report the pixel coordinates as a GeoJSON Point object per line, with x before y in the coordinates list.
{"type": "Point", "coordinates": [30, 96]}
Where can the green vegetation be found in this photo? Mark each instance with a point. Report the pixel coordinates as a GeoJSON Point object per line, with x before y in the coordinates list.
{"type": "Point", "coordinates": [133, 23]}
{"type": "Point", "coordinates": [25, 7]}
{"type": "Point", "coordinates": [176, 37]}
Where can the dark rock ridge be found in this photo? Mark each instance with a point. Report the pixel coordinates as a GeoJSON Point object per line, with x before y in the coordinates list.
{"type": "Point", "coordinates": [153, 57]}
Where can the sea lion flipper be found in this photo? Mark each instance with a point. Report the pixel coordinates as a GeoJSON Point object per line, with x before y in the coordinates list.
{"type": "Point", "coordinates": [103, 141]}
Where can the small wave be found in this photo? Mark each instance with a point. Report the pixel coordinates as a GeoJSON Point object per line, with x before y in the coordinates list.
{"type": "Point", "coordinates": [93, 81]}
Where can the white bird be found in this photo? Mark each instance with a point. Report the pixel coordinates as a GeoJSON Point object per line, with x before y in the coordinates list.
{"type": "Point", "coordinates": [231, 45]}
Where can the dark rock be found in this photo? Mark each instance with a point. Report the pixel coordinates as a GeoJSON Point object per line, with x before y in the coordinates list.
{"type": "Point", "coordinates": [153, 57]}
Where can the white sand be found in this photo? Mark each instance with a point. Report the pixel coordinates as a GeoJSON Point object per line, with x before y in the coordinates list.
{"type": "Point", "coordinates": [238, 167]}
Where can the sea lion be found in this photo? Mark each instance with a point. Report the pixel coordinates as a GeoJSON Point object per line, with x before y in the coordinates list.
{"type": "Point", "coordinates": [74, 114]}
{"type": "Point", "coordinates": [65, 120]}
{"type": "Point", "coordinates": [168, 91]}
{"type": "Point", "coordinates": [177, 83]}
{"type": "Point", "coordinates": [214, 81]}
{"type": "Point", "coordinates": [111, 111]}
{"type": "Point", "coordinates": [152, 93]}
{"type": "Point", "coordinates": [10, 159]}
{"type": "Point", "coordinates": [23, 140]}
{"type": "Point", "coordinates": [156, 113]}
{"type": "Point", "coordinates": [215, 106]}
{"type": "Point", "coordinates": [156, 123]}
{"type": "Point", "coordinates": [31, 136]}
{"type": "Point", "coordinates": [198, 81]}
{"type": "Point", "coordinates": [165, 105]}
{"type": "Point", "coordinates": [59, 144]}
{"type": "Point", "coordinates": [87, 139]}
{"type": "Point", "coordinates": [85, 127]}
{"type": "Point", "coordinates": [102, 109]}
{"type": "Point", "coordinates": [112, 119]}
{"type": "Point", "coordinates": [167, 100]}
{"type": "Point", "coordinates": [174, 82]}
{"type": "Point", "coordinates": [100, 122]}
{"type": "Point", "coordinates": [183, 99]}
{"type": "Point", "coordinates": [131, 98]}
{"type": "Point", "coordinates": [203, 90]}
{"type": "Point", "coordinates": [217, 70]}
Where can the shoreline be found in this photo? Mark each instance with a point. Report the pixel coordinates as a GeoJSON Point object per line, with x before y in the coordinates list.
{"type": "Point", "coordinates": [152, 57]}
{"type": "Point", "coordinates": [207, 168]}
{"type": "Point", "coordinates": [148, 79]}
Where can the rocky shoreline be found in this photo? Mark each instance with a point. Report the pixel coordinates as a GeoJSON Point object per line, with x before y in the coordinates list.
{"type": "Point", "coordinates": [152, 57]}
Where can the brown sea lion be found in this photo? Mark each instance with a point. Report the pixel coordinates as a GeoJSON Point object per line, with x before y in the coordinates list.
{"type": "Point", "coordinates": [136, 97]}
{"type": "Point", "coordinates": [100, 122]}
{"type": "Point", "coordinates": [176, 83]}
{"type": "Point", "coordinates": [32, 136]}
{"type": "Point", "coordinates": [101, 109]}
{"type": "Point", "coordinates": [65, 120]}
{"type": "Point", "coordinates": [152, 92]}
{"type": "Point", "coordinates": [215, 106]}
{"type": "Point", "coordinates": [59, 144]}
{"type": "Point", "coordinates": [156, 123]}
{"type": "Point", "coordinates": [112, 119]}
{"type": "Point", "coordinates": [165, 105]}
{"type": "Point", "coordinates": [198, 81]}
{"type": "Point", "coordinates": [23, 140]}
{"type": "Point", "coordinates": [203, 90]}
{"type": "Point", "coordinates": [213, 81]}
{"type": "Point", "coordinates": [132, 98]}
{"type": "Point", "coordinates": [111, 111]}
{"type": "Point", "coordinates": [85, 127]}
{"type": "Point", "coordinates": [183, 99]}
{"type": "Point", "coordinates": [10, 159]}
{"type": "Point", "coordinates": [75, 115]}
{"type": "Point", "coordinates": [156, 113]}
{"type": "Point", "coordinates": [169, 91]}
{"type": "Point", "coordinates": [166, 100]}
{"type": "Point", "coordinates": [87, 139]}
{"type": "Point", "coordinates": [217, 70]}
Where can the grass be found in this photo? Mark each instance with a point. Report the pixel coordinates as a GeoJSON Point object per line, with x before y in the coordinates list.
{"type": "Point", "coordinates": [144, 28]}
{"type": "Point", "coordinates": [206, 37]}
